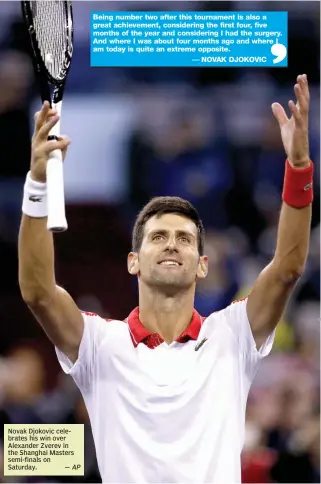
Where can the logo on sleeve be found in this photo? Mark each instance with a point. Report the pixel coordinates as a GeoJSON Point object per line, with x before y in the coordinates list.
{"type": "Point", "coordinates": [35, 198]}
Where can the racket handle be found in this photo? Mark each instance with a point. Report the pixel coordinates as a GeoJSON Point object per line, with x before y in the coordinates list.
{"type": "Point", "coordinates": [56, 221]}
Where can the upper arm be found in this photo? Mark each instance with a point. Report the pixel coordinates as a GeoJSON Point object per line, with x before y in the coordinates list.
{"type": "Point", "coordinates": [267, 301]}
{"type": "Point", "coordinates": [250, 354]}
{"type": "Point", "coordinates": [61, 320]}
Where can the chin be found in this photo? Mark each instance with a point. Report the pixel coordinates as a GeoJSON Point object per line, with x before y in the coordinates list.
{"type": "Point", "coordinates": [170, 283]}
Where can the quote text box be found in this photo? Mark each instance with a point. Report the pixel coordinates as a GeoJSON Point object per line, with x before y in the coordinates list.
{"type": "Point", "coordinates": [189, 39]}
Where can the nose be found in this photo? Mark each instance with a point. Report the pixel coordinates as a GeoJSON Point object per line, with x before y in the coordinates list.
{"type": "Point", "coordinates": [171, 243]}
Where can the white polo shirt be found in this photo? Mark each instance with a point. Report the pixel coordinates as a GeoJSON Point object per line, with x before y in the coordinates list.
{"type": "Point", "coordinates": [168, 413]}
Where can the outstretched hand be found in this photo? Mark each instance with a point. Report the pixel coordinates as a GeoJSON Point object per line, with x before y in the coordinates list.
{"type": "Point", "coordinates": [294, 131]}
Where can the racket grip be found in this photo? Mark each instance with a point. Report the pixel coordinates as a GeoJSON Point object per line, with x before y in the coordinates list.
{"type": "Point", "coordinates": [56, 221]}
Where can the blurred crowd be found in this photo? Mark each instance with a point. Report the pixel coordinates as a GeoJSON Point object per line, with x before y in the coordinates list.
{"type": "Point", "coordinates": [207, 135]}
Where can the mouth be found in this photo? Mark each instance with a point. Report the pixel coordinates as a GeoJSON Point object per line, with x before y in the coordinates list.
{"type": "Point", "coordinates": [170, 263]}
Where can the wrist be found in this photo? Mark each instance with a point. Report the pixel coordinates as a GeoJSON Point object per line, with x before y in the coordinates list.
{"type": "Point", "coordinates": [34, 198]}
{"type": "Point", "coordinates": [36, 177]}
{"type": "Point", "coordinates": [298, 185]}
{"type": "Point", "coordinates": [301, 164]}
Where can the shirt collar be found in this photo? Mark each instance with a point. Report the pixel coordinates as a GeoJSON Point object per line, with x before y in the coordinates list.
{"type": "Point", "coordinates": [140, 334]}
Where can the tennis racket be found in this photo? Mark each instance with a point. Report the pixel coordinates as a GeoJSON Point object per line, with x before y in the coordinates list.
{"type": "Point", "coordinates": [50, 27]}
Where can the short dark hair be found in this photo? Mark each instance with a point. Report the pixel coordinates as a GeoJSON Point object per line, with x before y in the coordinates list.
{"type": "Point", "coordinates": [159, 206]}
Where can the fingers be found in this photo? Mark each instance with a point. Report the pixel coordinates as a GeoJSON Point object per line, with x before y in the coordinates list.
{"type": "Point", "coordinates": [41, 116]}
{"type": "Point", "coordinates": [302, 79]}
{"type": "Point", "coordinates": [300, 110]}
{"type": "Point", "coordinates": [44, 131]}
{"type": "Point", "coordinates": [279, 113]}
{"type": "Point", "coordinates": [295, 110]}
{"type": "Point", "coordinates": [67, 143]}
{"type": "Point", "coordinates": [301, 90]}
{"type": "Point", "coordinates": [62, 144]}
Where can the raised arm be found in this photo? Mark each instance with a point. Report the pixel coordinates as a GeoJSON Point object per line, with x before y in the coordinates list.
{"type": "Point", "coordinates": [276, 282]}
{"type": "Point", "coordinates": [51, 305]}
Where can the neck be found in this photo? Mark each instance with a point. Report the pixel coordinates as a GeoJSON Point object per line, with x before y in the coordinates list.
{"type": "Point", "coordinates": [166, 315]}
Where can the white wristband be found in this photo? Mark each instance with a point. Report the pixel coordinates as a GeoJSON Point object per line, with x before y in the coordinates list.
{"type": "Point", "coordinates": [34, 198]}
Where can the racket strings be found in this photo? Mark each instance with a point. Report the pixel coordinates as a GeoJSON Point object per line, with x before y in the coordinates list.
{"type": "Point", "coordinates": [50, 26]}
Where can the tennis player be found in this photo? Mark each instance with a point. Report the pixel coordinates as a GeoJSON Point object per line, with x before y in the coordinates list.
{"type": "Point", "coordinates": [166, 389]}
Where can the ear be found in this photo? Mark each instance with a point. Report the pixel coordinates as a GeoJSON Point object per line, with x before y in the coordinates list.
{"type": "Point", "coordinates": [132, 263]}
{"type": "Point", "coordinates": [202, 269]}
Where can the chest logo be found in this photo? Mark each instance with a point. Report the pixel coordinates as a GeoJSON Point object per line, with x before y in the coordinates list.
{"type": "Point", "coordinates": [200, 344]}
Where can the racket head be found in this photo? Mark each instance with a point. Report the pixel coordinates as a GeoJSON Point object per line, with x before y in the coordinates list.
{"type": "Point", "coordinates": [50, 27]}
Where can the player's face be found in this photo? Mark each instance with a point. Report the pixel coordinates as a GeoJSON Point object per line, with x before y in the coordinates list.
{"type": "Point", "coordinates": [169, 256]}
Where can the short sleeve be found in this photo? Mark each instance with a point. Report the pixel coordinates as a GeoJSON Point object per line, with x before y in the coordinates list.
{"type": "Point", "coordinates": [236, 318]}
{"type": "Point", "coordinates": [82, 369]}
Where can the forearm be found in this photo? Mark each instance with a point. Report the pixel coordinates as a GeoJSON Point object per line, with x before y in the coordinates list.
{"type": "Point", "coordinates": [36, 260]}
{"type": "Point", "coordinates": [35, 244]}
{"type": "Point", "coordinates": [292, 241]}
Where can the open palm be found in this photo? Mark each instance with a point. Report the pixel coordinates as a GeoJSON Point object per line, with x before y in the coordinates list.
{"type": "Point", "coordinates": [294, 131]}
